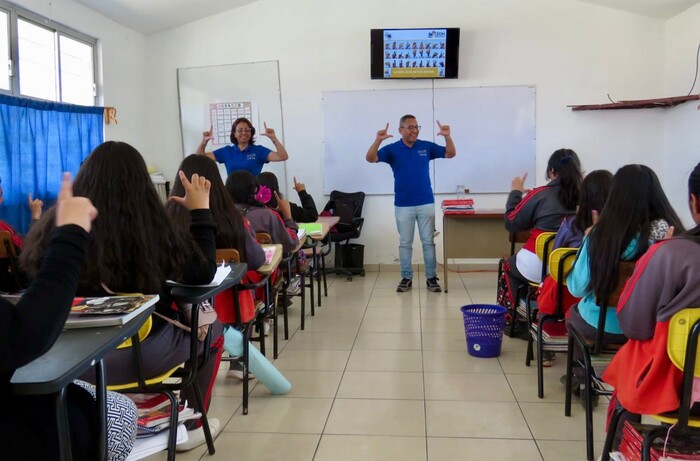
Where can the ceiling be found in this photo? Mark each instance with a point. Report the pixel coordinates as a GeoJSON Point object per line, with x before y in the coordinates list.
{"type": "Point", "coordinates": [152, 16]}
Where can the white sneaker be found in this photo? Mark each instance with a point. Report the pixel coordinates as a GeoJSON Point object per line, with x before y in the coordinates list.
{"type": "Point", "coordinates": [195, 437]}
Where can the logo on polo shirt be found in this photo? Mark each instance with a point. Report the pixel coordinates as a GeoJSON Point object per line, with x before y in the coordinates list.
{"type": "Point", "coordinates": [250, 157]}
{"type": "Point", "coordinates": [423, 153]}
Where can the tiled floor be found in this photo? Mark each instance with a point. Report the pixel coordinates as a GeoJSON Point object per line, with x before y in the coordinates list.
{"type": "Point", "coordinates": [380, 375]}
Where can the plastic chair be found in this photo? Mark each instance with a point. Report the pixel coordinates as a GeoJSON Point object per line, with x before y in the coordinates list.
{"type": "Point", "coordinates": [231, 255]}
{"type": "Point", "coordinates": [682, 348]}
{"type": "Point", "coordinates": [185, 373]}
{"type": "Point", "coordinates": [594, 348]}
{"type": "Point", "coordinates": [560, 262]}
{"type": "Point", "coordinates": [348, 207]}
{"type": "Point", "coordinates": [543, 245]}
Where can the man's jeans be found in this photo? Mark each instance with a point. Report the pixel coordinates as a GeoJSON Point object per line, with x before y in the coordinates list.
{"type": "Point", "coordinates": [406, 219]}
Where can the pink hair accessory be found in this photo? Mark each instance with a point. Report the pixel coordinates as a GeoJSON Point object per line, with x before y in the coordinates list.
{"type": "Point", "coordinates": [263, 195]}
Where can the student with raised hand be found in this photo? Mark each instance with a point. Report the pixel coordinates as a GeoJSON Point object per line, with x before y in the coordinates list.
{"type": "Point", "coordinates": [249, 196]}
{"type": "Point", "coordinates": [307, 212]}
{"type": "Point", "coordinates": [233, 230]}
{"type": "Point", "coordinates": [540, 210]}
{"type": "Point", "coordinates": [135, 248]}
{"type": "Point", "coordinates": [665, 280]}
{"type": "Point", "coordinates": [636, 214]}
{"type": "Point", "coordinates": [31, 327]}
{"type": "Point", "coordinates": [244, 154]}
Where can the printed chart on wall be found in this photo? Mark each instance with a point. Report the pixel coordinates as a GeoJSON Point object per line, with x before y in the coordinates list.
{"type": "Point", "coordinates": [223, 114]}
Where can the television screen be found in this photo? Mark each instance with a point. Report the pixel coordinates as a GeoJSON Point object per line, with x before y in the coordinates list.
{"type": "Point", "coordinates": [414, 53]}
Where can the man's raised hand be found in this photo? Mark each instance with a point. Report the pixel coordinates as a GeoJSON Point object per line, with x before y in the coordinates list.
{"type": "Point", "coordinates": [383, 134]}
{"type": "Point", "coordinates": [444, 129]}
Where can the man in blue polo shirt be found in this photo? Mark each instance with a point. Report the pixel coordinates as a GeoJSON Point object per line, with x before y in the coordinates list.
{"type": "Point", "coordinates": [409, 159]}
{"type": "Point", "coordinates": [244, 154]}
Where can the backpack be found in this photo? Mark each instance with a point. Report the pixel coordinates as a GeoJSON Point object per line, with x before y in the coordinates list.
{"type": "Point", "coordinates": [345, 210]}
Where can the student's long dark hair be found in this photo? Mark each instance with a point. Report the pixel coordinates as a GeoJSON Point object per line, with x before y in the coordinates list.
{"type": "Point", "coordinates": [242, 186]}
{"type": "Point", "coordinates": [133, 245]}
{"type": "Point", "coordinates": [567, 167]}
{"type": "Point", "coordinates": [636, 199]}
{"type": "Point", "coordinates": [595, 190]}
{"type": "Point", "coordinates": [694, 189]}
{"type": "Point", "coordinates": [229, 221]}
{"type": "Point", "coordinates": [269, 180]}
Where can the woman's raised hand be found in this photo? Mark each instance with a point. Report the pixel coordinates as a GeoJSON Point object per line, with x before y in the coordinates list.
{"type": "Point", "coordinates": [196, 192]}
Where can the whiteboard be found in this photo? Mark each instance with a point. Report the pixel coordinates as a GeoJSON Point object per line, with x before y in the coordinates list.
{"type": "Point", "coordinates": [351, 120]}
{"type": "Point", "coordinates": [257, 82]}
{"type": "Point", "coordinates": [493, 129]}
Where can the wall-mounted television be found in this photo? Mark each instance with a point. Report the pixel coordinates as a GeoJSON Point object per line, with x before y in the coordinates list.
{"type": "Point", "coordinates": [414, 53]}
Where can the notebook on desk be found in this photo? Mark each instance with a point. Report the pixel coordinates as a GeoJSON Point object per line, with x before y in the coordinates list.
{"type": "Point", "coordinates": [107, 310]}
{"type": "Point", "coordinates": [269, 253]}
{"type": "Point", "coordinates": [312, 228]}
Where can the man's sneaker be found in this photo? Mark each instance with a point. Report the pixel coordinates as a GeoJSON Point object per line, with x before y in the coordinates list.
{"type": "Point", "coordinates": [433, 285]}
{"type": "Point", "coordinates": [404, 285]}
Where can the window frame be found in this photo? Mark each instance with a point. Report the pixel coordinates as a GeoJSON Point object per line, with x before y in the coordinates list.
{"type": "Point", "coordinates": [14, 14]}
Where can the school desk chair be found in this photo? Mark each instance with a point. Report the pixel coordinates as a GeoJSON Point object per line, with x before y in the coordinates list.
{"type": "Point", "coordinates": [185, 374]}
{"type": "Point", "coordinates": [11, 279]}
{"type": "Point", "coordinates": [682, 348]}
{"type": "Point", "coordinates": [591, 349]}
{"type": "Point", "coordinates": [236, 320]}
{"type": "Point", "coordinates": [560, 262]}
{"type": "Point", "coordinates": [524, 304]}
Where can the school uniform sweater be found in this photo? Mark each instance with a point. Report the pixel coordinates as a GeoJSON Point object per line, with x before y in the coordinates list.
{"type": "Point", "coordinates": [269, 221]}
{"type": "Point", "coordinates": [538, 211]}
{"type": "Point", "coordinates": [307, 212]}
{"type": "Point", "coordinates": [27, 331]}
{"type": "Point", "coordinates": [665, 280]}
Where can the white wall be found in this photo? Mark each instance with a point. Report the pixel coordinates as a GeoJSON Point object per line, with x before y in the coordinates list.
{"type": "Point", "coordinates": [573, 52]}
{"type": "Point", "coordinates": [122, 55]}
{"type": "Point", "coordinates": [682, 143]}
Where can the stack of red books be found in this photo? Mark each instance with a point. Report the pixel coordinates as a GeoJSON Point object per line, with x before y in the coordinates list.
{"type": "Point", "coordinates": [458, 206]}
{"type": "Point", "coordinates": [680, 445]}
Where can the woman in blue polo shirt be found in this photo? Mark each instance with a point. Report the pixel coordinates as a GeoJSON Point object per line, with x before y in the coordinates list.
{"type": "Point", "coordinates": [244, 154]}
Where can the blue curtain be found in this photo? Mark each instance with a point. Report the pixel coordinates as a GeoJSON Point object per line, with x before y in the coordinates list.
{"type": "Point", "coordinates": [39, 141]}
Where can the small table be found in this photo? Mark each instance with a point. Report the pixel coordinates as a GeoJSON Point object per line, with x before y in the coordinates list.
{"type": "Point", "coordinates": [479, 234]}
{"type": "Point", "coordinates": [75, 352]}
{"type": "Point", "coordinates": [195, 294]}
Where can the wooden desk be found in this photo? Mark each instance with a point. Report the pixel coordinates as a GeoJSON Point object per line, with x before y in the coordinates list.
{"type": "Point", "coordinates": [194, 294]}
{"type": "Point", "coordinates": [326, 223]}
{"type": "Point", "coordinates": [481, 234]}
{"type": "Point", "coordinates": [74, 353]}
{"type": "Point", "coordinates": [270, 267]}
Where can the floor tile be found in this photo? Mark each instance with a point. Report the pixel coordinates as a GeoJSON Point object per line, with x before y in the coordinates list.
{"type": "Point", "coordinates": [444, 342]}
{"type": "Point", "coordinates": [321, 340]}
{"type": "Point", "coordinates": [290, 416]}
{"type": "Point", "coordinates": [482, 449]}
{"type": "Point", "coordinates": [377, 417]}
{"type": "Point", "coordinates": [385, 360]}
{"type": "Point", "coordinates": [497, 420]}
{"type": "Point", "coordinates": [264, 447]}
{"type": "Point", "coordinates": [547, 421]}
{"type": "Point", "coordinates": [555, 450]}
{"type": "Point", "coordinates": [381, 385]}
{"type": "Point", "coordinates": [388, 341]}
{"type": "Point", "coordinates": [306, 359]}
{"type": "Point", "coordinates": [478, 387]}
{"type": "Point", "coordinates": [312, 384]}
{"type": "Point", "coordinates": [402, 325]}
{"type": "Point", "coordinates": [365, 447]}
{"type": "Point", "coordinates": [458, 362]}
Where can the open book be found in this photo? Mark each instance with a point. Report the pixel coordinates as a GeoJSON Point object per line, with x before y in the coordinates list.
{"type": "Point", "coordinates": [107, 310]}
{"type": "Point", "coordinates": [269, 253]}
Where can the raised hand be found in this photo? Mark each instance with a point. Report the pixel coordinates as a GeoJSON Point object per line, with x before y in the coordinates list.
{"type": "Point", "coordinates": [518, 183]}
{"type": "Point", "coordinates": [73, 210]}
{"type": "Point", "coordinates": [299, 186]}
{"type": "Point", "coordinates": [383, 134]}
{"type": "Point", "coordinates": [35, 207]}
{"type": "Point", "coordinates": [208, 135]}
{"type": "Point", "coordinates": [283, 207]}
{"type": "Point", "coordinates": [444, 129]}
{"type": "Point", "coordinates": [269, 132]}
{"type": "Point", "coordinates": [669, 233]}
{"type": "Point", "coordinates": [196, 192]}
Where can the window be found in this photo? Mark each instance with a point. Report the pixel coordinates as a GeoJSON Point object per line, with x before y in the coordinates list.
{"type": "Point", "coordinates": [45, 60]}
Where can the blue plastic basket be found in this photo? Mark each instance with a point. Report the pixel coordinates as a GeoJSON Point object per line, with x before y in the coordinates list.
{"type": "Point", "coordinates": [483, 327]}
